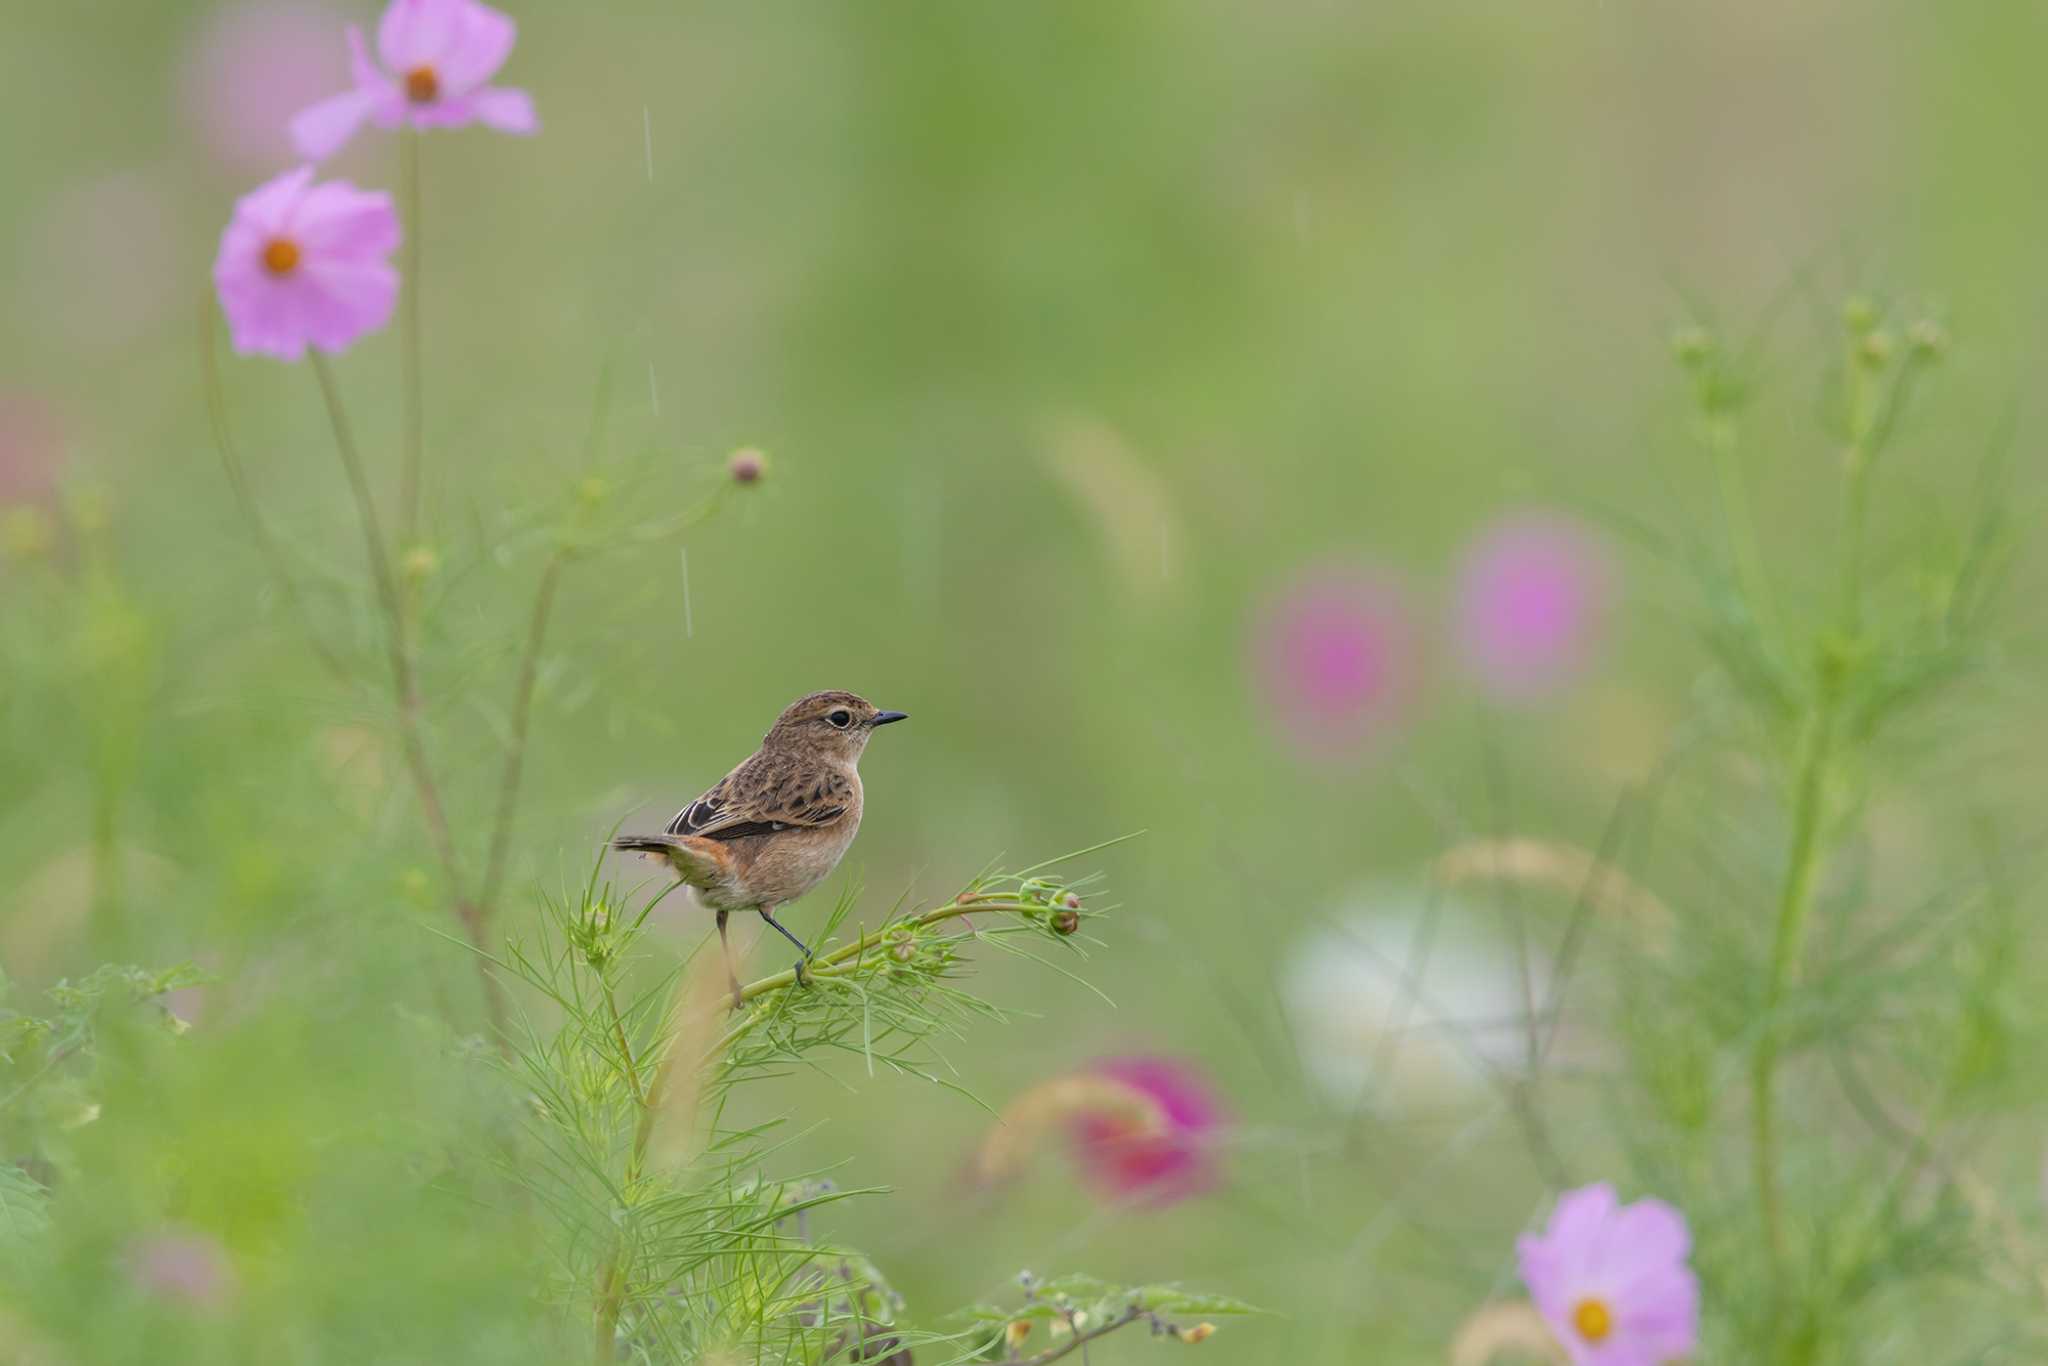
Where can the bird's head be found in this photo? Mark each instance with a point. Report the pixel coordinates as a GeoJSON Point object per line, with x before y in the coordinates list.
{"type": "Point", "coordinates": [832, 725]}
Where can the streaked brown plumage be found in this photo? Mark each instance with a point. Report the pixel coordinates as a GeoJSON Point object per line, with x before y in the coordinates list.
{"type": "Point", "coordinates": [777, 825]}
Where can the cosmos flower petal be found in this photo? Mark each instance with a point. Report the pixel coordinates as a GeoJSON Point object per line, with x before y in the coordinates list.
{"type": "Point", "coordinates": [505, 109]}
{"type": "Point", "coordinates": [484, 41]}
{"type": "Point", "coordinates": [415, 33]}
{"type": "Point", "coordinates": [320, 130]}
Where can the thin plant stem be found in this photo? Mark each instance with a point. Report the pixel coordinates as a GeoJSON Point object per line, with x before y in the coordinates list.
{"type": "Point", "coordinates": [1079, 1342]}
{"type": "Point", "coordinates": [1721, 442]}
{"type": "Point", "coordinates": [1816, 755]}
{"type": "Point", "coordinates": [515, 748]}
{"type": "Point", "coordinates": [405, 688]}
{"type": "Point", "coordinates": [409, 339]}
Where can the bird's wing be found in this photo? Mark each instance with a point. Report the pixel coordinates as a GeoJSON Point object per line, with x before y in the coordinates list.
{"type": "Point", "coordinates": [765, 794]}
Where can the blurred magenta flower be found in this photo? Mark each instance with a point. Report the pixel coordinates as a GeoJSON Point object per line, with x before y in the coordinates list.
{"type": "Point", "coordinates": [249, 69]}
{"type": "Point", "coordinates": [1141, 1128]}
{"type": "Point", "coordinates": [182, 1266]}
{"type": "Point", "coordinates": [1611, 1280]}
{"type": "Point", "coordinates": [303, 264]}
{"type": "Point", "coordinates": [1335, 656]}
{"type": "Point", "coordinates": [437, 58]}
{"type": "Point", "coordinates": [31, 448]}
{"type": "Point", "coordinates": [1532, 605]}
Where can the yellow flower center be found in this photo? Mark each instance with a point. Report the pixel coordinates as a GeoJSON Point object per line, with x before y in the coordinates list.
{"type": "Point", "coordinates": [422, 85]}
{"type": "Point", "coordinates": [1593, 1319]}
{"type": "Point", "coordinates": [281, 256]}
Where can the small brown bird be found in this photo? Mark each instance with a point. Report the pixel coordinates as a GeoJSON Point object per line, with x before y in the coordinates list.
{"type": "Point", "coordinates": [777, 825]}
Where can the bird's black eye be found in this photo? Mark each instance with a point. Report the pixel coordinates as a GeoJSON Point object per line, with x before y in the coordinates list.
{"type": "Point", "coordinates": [841, 718]}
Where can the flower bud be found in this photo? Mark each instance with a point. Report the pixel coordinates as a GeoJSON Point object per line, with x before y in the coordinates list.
{"type": "Point", "coordinates": [747, 465]}
{"type": "Point", "coordinates": [1875, 349]}
{"type": "Point", "coordinates": [1015, 1334]}
{"type": "Point", "coordinates": [420, 564]}
{"type": "Point", "coordinates": [1691, 345]}
{"type": "Point", "coordinates": [1071, 902]}
{"type": "Point", "coordinates": [1201, 1332]}
{"type": "Point", "coordinates": [903, 952]}
{"type": "Point", "coordinates": [593, 491]}
{"type": "Point", "coordinates": [1065, 922]}
{"type": "Point", "coordinates": [1860, 313]}
{"type": "Point", "coordinates": [1927, 338]}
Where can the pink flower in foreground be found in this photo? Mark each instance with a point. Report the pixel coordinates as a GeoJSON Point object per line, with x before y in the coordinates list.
{"type": "Point", "coordinates": [1611, 1280]}
{"type": "Point", "coordinates": [1336, 659]}
{"type": "Point", "coordinates": [303, 264]}
{"type": "Point", "coordinates": [1141, 1129]}
{"type": "Point", "coordinates": [1532, 605]}
{"type": "Point", "coordinates": [437, 57]}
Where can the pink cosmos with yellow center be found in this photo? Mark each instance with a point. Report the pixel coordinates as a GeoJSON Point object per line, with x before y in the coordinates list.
{"type": "Point", "coordinates": [1612, 1281]}
{"type": "Point", "coordinates": [304, 264]}
{"type": "Point", "coordinates": [435, 61]}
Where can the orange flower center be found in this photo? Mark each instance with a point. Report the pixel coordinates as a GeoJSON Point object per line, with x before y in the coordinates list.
{"type": "Point", "coordinates": [281, 257]}
{"type": "Point", "coordinates": [1593, 1319]}
{"type": "Point", "coordinates": [422, 85]}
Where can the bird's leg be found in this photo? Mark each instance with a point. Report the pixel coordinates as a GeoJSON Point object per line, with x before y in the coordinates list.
{"type": "Point", "coordinates": [768, 914]}
{"type": "Point", "coordinates": [732, 979]}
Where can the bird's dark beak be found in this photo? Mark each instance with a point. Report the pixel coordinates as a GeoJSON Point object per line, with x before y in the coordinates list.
{"type": "Point", "coordinates": [883, 718]}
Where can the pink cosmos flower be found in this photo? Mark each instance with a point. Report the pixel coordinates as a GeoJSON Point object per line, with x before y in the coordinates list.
{"type": "Point", "coordinates": [1160, 1149]}
{"type": "Point", "coordinates": [303, 264]}
{"type": "Point", "coordinates": [1532, 605]}
{"type": "Point", "coordinates": [249, 69]}
{"type": "Point", "coordinates": [437, 59]}
{"type": "Point", "coordinates": [1142, 1129]}
{"type": "Point", "coordinates": [1335, 656]}
{"type": "Point", "coordinates": [1611, 1280]}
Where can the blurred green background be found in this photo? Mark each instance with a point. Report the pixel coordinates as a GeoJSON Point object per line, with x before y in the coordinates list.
{"type": "Point", "coordinates": [1074, 331]}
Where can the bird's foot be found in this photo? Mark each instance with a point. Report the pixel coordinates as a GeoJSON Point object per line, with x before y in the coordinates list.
{"type": "Point", "coordinates": [803, 978]}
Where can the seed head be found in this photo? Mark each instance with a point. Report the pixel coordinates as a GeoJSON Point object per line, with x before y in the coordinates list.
{"type": "Point", "coordinates": [1065, 922]}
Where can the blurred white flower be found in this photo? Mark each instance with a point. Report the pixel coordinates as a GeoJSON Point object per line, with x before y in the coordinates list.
{"type": "Point", "coordinates": [1397, 1002]}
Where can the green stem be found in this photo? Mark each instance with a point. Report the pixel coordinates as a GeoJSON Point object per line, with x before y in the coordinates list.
{"type": "Point", "coordinates": [1817, 745]}
{"type": "Point", "coordinates": [405, 688]}
{"type": "Point", "coordinates": [515, 747]}
{"type": "Point", "coordinates": [409, 339]}
{"type": "Point", "coordinates": [1743, 545]}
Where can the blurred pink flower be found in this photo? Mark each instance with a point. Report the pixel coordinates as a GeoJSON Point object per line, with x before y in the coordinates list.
{"type": "Point", "coordinates": [1335, 656]}
{"type": "Point", "coordinates": [1141, 1128]}
{"type": "Point", "coordinates": [101, 260]}
{"type": "Point", "coordinates": [183, 1266]}
{"type": "Point", "coordinates": [1611, 1280]}
{"type": "Point", "coordinates": [1163, 1149]}
{"type": "Point", "coordinates": [249, 69]}
{"type": "Point", "coordinates": [31, 449]}
{"type": "Point", "coordinates": [437, 56]}
{"type": "Point", "coordinates": [304, 264]}
{"type": "Point", "coordinates": [1532, 605]}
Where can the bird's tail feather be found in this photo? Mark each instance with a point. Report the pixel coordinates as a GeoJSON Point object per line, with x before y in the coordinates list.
{"type": "Point", "coordinates": [696, 860]}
